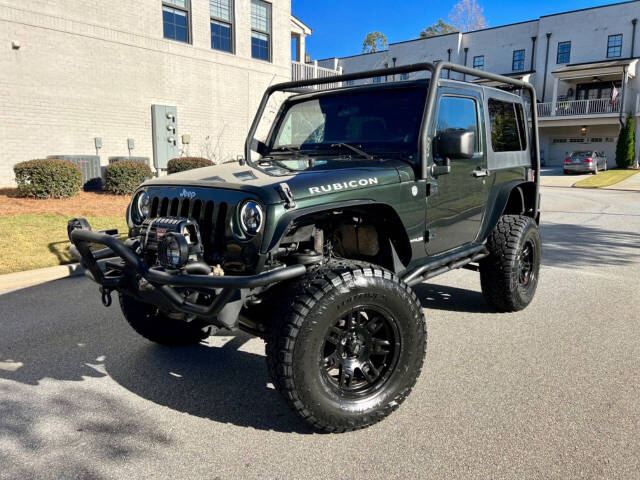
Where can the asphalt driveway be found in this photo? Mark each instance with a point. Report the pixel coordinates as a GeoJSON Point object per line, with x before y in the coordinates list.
{"type": "Point", "coordinates": [553, 177]}
{"type": "Point", "coordinates": [551, 392]}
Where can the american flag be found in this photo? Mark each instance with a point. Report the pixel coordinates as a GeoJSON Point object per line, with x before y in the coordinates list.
{"type": "Point", "coordinates": [614, 95]}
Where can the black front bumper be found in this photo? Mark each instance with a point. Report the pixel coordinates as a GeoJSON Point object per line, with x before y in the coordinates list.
{"type": "Point", "coordinates": [160, 284]}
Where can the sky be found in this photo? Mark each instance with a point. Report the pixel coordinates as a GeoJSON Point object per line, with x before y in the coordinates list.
{"type": "Point", "coordinates": [339, 26]}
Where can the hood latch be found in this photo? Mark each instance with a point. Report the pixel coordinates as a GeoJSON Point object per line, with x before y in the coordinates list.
{"type": "Point", "coordinates": [287, 196]}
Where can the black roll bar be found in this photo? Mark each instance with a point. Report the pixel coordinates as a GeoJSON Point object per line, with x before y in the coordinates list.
{"type": "Point", "coordinates": [425, 141]}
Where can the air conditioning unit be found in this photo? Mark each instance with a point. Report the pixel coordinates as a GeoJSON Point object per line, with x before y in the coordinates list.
{"type": "Point", "coordinates": [90, 166]}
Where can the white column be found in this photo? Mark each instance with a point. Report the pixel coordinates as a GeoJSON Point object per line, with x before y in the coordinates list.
{"type": "Point", "coordinates": [636, 160]}
{"type": "Point", "coordinates": [554, 97]}
{"type": "Point", "coordinates": [302, 48]}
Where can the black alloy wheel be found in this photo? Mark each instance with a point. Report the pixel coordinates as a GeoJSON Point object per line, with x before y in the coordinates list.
{"type": "Point", "coordinates": [360, 351]}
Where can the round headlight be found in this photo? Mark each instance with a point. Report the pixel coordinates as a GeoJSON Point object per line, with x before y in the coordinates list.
{"type": "Point", "coordinates": [173, 251]}
{"type": "Point", "coordinates": [251, 217]}
{"type": "Point", "coordinates": [144, 205]}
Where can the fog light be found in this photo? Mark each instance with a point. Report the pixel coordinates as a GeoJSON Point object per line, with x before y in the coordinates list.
{"type": "Point", "coordinates": [173, 251]}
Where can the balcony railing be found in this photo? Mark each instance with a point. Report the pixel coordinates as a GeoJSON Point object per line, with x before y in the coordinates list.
{"type": "Point", "coordinates": [571, 108]}
{"type": "Point", "coordinates": [307, 71]}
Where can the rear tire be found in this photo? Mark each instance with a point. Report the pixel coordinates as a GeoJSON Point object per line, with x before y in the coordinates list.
{"type": "Point", "coordinates": [509, 275]}
{"type": "Point", "coordinates": [157, 327]}
{"type": "Point", "coordinates": [348, 345]}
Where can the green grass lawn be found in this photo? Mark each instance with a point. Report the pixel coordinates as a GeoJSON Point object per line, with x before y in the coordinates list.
{"type": "Point", "coordinates": [40, 240]}
{"type": "Point", "coordinates": [606, 179]}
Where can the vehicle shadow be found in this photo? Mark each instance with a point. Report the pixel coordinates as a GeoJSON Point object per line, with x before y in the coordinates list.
{"type": "Point", "coordinates": [60, 331]}
{"type": "Point", "coordinates": [443, 297]}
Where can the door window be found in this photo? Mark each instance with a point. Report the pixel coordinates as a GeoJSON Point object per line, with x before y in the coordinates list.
{"type": "Point", "coordinates": [458, 113]}
{"type": "Point", "coordinates": [507, 126]}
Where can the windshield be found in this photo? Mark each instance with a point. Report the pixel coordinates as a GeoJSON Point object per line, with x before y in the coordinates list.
{"type": "Point", "coordinates": [581, 154]}
{"type": "Point", "coordinates": [382, 119]}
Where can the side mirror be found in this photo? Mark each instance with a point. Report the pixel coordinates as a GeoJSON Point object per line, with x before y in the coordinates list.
{"type": "Point", "coordinates": [454, 144]}
{"type": "Point", "coordinates": [450, 145]}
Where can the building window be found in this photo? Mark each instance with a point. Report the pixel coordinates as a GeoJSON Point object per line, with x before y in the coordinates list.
{"type": "Point", "coordinates": [559, 140]}
{"type": "Point", "coordinates": [614, 46]}
{"type": "Point", "coordinates": [350, 82]}
{"type": "Point", "coordinates": [377, 79]}
{"type": "Point", "coordinates": [404, 76]}
{"type": "Point", "coordinates": [564, 52]}
{"type": "Point", "coordinates": [175, 20]}
{"type": "Point", "coordinates": [261, 30]}
{"type": "Point", "coordinates": [478, 62]}
{"type": "Point", "coordinates": [221, 12]}
{"type": "Point", "coordinates": [596, 139]}
{"type": "Point", "coordinates": [518, 60]}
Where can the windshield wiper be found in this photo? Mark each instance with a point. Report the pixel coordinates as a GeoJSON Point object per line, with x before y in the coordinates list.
{"type": "Point", "coordinates": [289, 149]}
{"type": "Point", "coordinates": [362, 153]}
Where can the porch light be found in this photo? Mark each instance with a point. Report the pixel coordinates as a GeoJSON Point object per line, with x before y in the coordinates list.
{"type": "Point", "coordinates": [583, 130]}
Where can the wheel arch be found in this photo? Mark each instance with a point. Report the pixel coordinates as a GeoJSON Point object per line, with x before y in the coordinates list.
{"type": "Point", "coordinates": [513, 198]}
{"type": "Point", "coordinates": [396, 232]}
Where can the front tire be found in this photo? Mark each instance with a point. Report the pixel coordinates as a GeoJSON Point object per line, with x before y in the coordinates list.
{"type": "Point", "coordinates": [157, 327]}
{"type": "Point", "coordinates": [347, 347]}
{"type": "Point", "coordinates": [509, 275]}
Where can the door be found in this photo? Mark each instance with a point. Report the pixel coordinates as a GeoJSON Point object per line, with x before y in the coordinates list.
{"type": "Point", "coordinates": [456, 204]}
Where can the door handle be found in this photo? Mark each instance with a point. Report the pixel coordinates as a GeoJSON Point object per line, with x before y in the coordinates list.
{"type": "Point", "coordinates": [480, 172]}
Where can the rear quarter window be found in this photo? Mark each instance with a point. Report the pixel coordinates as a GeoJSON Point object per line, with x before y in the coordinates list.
{"type": "Point", "coordinates": [508, 132]}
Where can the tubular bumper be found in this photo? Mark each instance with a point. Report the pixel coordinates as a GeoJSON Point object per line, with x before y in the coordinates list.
{"type": "Point", "coordinates": [162, 281]}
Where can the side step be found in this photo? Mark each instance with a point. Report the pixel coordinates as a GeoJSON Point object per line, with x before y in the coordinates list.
{"type": "Point", "coordinates": [444, 264]}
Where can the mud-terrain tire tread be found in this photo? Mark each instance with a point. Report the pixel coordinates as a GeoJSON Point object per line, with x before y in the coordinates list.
{"type": "Point", "coordinates": [497, 268]}
{"type": "Point", "coordinates": [157, 327]}
{"type": "Point", "coordinates": [302, 297]}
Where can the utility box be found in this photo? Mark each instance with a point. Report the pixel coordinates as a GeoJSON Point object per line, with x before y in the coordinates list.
{"type": "Point", "coordinates": [164, 122]}
{"type": "Point", "coordinates": [90, 166]}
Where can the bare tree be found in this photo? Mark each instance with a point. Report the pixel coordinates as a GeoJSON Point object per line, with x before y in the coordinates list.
{"type": "Point", "coordinates": [439, 28]}
{"type": "Point", "coordinates": [374, 41]}
{"type": "Point", "coordinates": [467, 15]}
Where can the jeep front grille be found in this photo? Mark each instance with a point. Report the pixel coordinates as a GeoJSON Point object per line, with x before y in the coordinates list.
{"type": "Point", "coordinates": [212, 218]}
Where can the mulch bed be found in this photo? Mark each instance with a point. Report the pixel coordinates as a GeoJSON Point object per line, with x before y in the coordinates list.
{"type": "Point", "coordinates": [89, 204]}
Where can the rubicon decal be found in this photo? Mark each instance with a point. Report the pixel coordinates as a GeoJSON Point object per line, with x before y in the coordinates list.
{"type": "Point", "coordinates": [334, 187]}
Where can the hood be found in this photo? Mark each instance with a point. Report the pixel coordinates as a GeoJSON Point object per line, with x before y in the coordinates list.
{"type": "Point", "coordinates": [332, 177]}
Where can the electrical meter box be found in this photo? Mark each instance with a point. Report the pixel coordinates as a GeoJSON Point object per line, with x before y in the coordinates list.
{"type": "Point", "coordinates": [164, 122]}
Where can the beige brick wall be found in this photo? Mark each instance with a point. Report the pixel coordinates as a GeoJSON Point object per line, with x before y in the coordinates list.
{"type": "Point", "coordinates": [90, 68]}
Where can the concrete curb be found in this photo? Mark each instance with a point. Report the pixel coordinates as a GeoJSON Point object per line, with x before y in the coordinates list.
{"type": "Point", "coordinates": [14, 281]}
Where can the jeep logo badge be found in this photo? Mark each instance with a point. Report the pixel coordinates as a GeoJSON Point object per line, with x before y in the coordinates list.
{"type": "Point", "coordinates": [187, 194]}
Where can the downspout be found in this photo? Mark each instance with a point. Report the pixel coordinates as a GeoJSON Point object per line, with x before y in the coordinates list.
{"type": "Point", "coordinates": [533, 52]}
{"type": "Point", "coordinates": [466, 52]}
{"type": "Point", "coordinates": [448, 60]}
{"type": "Point", "coordinates": [633, 36]}
{"type": "Point", "coordinates": [624, 89]}
{"type": "Point", "coordinates": [546, 66]}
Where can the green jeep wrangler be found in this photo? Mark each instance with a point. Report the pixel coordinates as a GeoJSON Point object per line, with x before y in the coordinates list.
{"type": "Point", "coordinates": [359, 193]}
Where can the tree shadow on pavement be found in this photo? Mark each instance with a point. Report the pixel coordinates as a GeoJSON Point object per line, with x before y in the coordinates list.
{"type": "Point", "coordinates": [442, 297]}
{"type": "Point", "coordinates": [576, 246]}
{"type": "Point", "coordinates": [61, 331]}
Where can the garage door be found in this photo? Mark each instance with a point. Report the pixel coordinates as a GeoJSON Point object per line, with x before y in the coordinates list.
{"type": "Point", "coordinates": [561, 147]}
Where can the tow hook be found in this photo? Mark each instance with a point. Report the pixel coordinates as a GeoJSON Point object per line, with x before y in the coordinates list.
{"type": "Point", "coordinates": [106, 296]}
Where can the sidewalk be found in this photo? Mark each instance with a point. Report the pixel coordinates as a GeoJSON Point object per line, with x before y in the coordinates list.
{"type": "Point", "coordinates": [631, 183]}
{"type": "Point", "coordinates": [15, 281]}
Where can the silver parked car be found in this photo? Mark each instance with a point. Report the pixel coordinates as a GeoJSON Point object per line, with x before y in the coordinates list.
{"type": "Point", "coordinates": [585, 161]}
